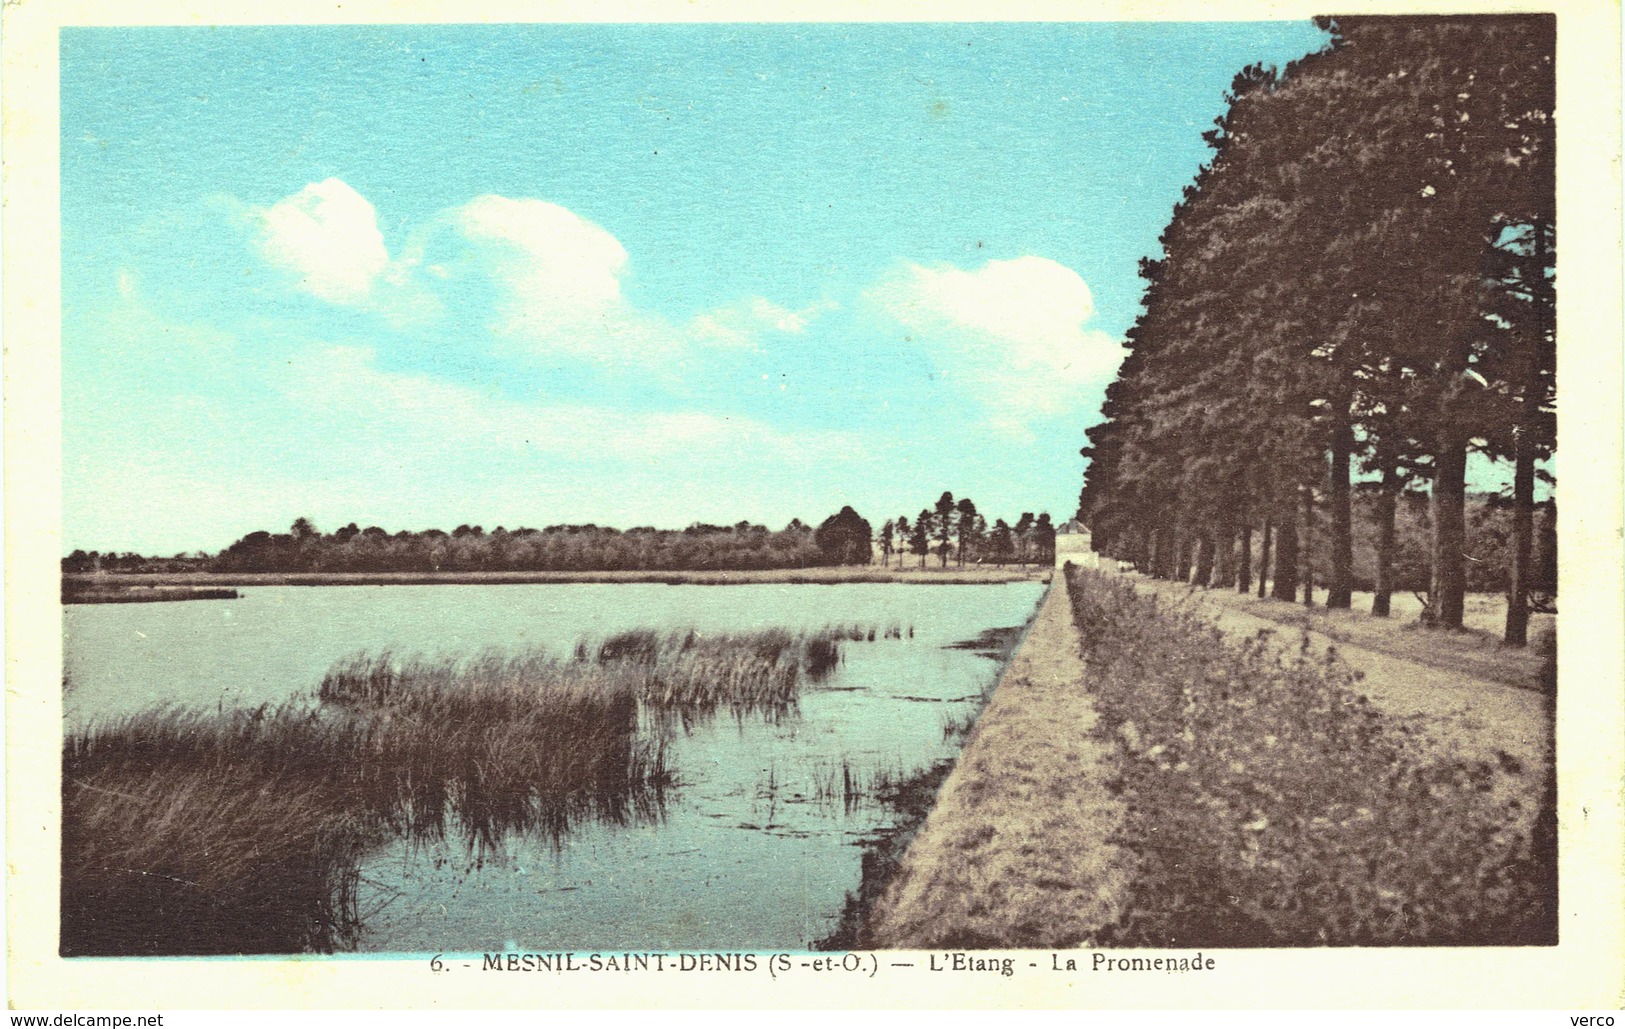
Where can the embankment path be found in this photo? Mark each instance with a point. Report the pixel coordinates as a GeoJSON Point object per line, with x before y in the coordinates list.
{"type": "Point", "coordinates": [1016, 852]}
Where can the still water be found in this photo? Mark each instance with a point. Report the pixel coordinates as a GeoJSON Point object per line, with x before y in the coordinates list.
{"type": "Point", "coordinates": [758, 843]}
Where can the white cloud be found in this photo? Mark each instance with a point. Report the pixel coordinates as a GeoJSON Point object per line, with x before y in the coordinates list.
{"type": "Point", "coordinates": [327, 235]}
{"type": "Point", "coordinates": [559, 259]}
{"type": "Point", "coordinates": [560, 288]}
{"type": "Point", "coordinates": [1011, 332]}
{"type": "Point", "coordinates": [741, 324]}
{"type": "Point", "coordinates": [529, 270]}
{"type": "Point", "coordinates": [560, 277]}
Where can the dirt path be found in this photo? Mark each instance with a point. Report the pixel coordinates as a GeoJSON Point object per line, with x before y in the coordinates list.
{"type": "Point", "coordinates": [1014, 854]}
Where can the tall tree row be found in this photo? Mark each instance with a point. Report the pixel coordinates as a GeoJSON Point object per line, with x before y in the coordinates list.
{"type": "Point", "coordinates": [1355, 294]}
{"type": "Point", "coordinates": [957, 531]}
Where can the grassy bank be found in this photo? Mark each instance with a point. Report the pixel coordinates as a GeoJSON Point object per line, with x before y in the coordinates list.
{"type": "Point", "coordinates": [932, 575]}
{"type": "Point", "coordinates": [1015, 852]}
{"type": "Point", "coordinates": [910, 800]}
{"type": "Point", "coordinates": [1268, 803]}
{"type": "Point", "coordinates": [243, 831]}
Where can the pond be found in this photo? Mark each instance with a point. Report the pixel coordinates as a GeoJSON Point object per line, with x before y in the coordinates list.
{"type": "Point", "coordinates": [757, 842]}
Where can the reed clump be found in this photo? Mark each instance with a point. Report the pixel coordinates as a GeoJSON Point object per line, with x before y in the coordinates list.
{"type": "Point", "coordinates": [499, 742]}
{"type": "Point", "coordinates": [1270, 804]}
{"type": "Point", "coordinates": [242, 831]}
{"type": "Point", "coordinates": [697, 673]}
{"type": "Point", "coordinates": [195, 863]}
{"type": "Point", "coordinates": [693, 674]}
{"type": "Point", "coordinates": [187, 832]}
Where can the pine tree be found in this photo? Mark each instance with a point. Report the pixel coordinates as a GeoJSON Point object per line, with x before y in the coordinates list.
{"type": "Point", "coordinates": [920, 540]}
{"type": "Point", "coordinates": [965, 526]}
{"type": "Point", "coordinates": [943, 522]}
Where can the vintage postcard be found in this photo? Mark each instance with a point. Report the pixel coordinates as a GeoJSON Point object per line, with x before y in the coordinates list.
{"type": "Point", "coordinates": [670, 505]}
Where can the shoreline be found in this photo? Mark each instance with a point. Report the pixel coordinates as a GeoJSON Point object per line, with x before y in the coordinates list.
{"type": "Point", "coordinates": [121, 594]}
{"type": "Point", "coordinates": [834, 575]}
{"type": "Point", "coordinates": [912, 800]}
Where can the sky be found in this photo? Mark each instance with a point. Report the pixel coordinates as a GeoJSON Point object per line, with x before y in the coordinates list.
{"type": "Point", "coordinates": [632, 275]}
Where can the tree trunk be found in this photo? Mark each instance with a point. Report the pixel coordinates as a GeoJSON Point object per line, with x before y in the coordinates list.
{"type": "Point", "coordinates": [1447, 506]}
{"type": "Point", "coordinates": [1523, 470]}
{"type": "Point", "coordinates": [1387, 499]}
{"type": "Point", "coordinates": [1306, 550]}
{"type": "Point", "coordinates": [1286, 555]}
{"type": "Point", "coordinates": [1204, 559]}
{"type": "Point", "coordinates": [1224, 557]}
{"type": "Point", "coordinates": [1184, 571]}
{"type": "Point", "coordinates": [1340, 590]}
{"type": "Point", "coordinates": [1244, 562]}
{"type": "Point", "coordinates": [1523, 520]}
{"type": "Point", "coordinates": [1264, 559]}
{"type": "Point", "coordinates": [1167, 552]}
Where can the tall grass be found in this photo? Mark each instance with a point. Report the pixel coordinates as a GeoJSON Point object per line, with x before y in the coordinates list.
{"type": "Point", "coordinates": [243, 831]}
{"type": "Point", "coordinates": [1270, 805]}
{"type": "Point", "coordinates": [188, 832]}
{"type": "Point", "coordinates": [694, 674]}
{"type": "Point", "coordinates": [187, 861]}
{"type": "Point", "coordinates": [499, 743]}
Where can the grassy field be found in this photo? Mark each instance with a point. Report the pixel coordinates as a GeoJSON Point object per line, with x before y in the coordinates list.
{"type": "Point", "coordinates": [106, 583]}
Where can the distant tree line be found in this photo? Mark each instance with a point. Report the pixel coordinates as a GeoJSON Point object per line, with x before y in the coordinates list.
{"type": "Point", "coordinates": [1356, 293]}
{"type": "Point", "coordinates": [956, 531]}
{"type": "Point", "coordinates": [555, 548]}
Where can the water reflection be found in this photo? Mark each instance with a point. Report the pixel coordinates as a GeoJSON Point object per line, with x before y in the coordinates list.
{"type": "Point", "coordinates": [631, 815]}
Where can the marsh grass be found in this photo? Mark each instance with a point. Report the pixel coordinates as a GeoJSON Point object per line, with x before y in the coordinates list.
{"type": "Point", "coordinates": [829, 785]}
{"type": "Point", "coordinates": [852, 787]}
{"type": "Point", "coordinates": [243, 831]}
{"type": "Point", "coordinates": [188, 832]}
{"type": "Point", "coordinates": [194, 863]}
{"type": "Point", "coordinates": [691, 675]}
{"type": "Point", "coordinates": [501, 744]}
{"type": "Point", "coordinates": [1270, 804]}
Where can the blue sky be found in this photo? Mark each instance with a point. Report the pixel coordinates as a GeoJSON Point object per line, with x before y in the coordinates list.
{"type": "Point", "coordinates": [631, 275]}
